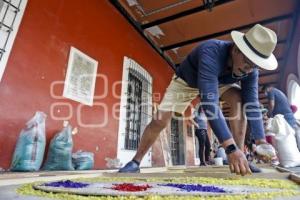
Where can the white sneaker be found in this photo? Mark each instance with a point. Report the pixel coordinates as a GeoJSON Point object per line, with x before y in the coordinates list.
{"type": "Point", "coordinates": [266, 150]}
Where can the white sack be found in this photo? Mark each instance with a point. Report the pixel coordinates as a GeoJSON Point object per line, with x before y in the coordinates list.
{"type": "Point", "coordinates": [288, 152]}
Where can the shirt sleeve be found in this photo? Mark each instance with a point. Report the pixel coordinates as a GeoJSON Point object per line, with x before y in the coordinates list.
{"type": "Point", "coordinates": [208, 70]}
{"type": "Point", "coordinates": [251, 105]}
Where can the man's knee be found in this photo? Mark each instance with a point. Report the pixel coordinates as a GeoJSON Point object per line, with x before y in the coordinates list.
{"type": "Point", "coordinates": [233, 97]}
{"type": "Point", "coordinates": [158, 124]}
{"type": "Point", "coordinates": [162, 121]}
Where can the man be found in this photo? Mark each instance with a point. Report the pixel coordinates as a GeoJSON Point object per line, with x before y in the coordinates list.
{"type": "Point", "coordinates": [278, 104]}
{"type": "Point", "coordinates": [209, 65]}
{"type": "Point", "coordinates": [201, 134]}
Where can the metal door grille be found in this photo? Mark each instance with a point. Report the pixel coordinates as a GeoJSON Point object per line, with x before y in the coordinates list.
{"type": "Point", "coordinates": [174, 140]}
{"type": "Point", "coordinates": [138, 94]}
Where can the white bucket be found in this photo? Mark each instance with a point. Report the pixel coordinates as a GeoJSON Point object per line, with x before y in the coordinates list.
{"type": "Point", "coordinates": [218, 161]}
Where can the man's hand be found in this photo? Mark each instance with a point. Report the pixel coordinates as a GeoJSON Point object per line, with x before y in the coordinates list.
{"type": "Point", "coordinates": [238, 163]}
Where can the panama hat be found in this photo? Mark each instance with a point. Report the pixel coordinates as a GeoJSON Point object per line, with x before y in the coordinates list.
{"type": "Point", "coordinates": [257, 45]}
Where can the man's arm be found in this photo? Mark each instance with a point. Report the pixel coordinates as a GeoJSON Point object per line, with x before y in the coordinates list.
{"type": "Point", "coordinates": [209, 94]}
{"type": "Point", "coordinates": [254, 116]}
{"type": "Point", "coordinates": [271, 104]}
{"type": "Point", "coordinates": [193, 122]}
{"type": "Point", "coordinates": [251, 105]}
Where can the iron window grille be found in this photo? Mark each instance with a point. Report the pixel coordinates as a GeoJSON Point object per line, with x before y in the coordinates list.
{"type": "Point", "coordinates": [11, 12]}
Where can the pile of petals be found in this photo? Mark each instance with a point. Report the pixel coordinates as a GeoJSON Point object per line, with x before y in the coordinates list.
{"type": "Point", "coordinates": [129, 187]}
{"type": "Point", "coordinates": [67, 184]}
{"type": "Point", "coordinates": [195, 187]}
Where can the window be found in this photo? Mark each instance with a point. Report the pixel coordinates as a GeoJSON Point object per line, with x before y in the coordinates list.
{"type": "Point", "coordinates": [133, 111]}
{"type": "Point", "coordinates": [295, 97]}
{"type": "Point", "coordinates": [177, 142]}
{"type": "Point", "coordinates": [11, 12]}
{"type": "Point", "coordinates": [298, 60]}
{"type": "Point", "coordinates": [137, 104]}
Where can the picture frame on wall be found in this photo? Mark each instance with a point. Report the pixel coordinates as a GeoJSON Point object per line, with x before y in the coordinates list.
{"type": "Point", "coordinates": [80, 77]}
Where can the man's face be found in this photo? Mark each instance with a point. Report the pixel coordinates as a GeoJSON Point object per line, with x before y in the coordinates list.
{"type": "Point", "coordinates": [241, 64]}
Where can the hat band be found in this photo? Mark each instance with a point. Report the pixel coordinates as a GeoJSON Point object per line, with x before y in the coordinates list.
{"type": "Point", "coordinates": [253, 49]}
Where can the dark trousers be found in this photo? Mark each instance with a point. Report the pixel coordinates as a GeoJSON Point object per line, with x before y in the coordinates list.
{"type": "Point", "coordinates": [204, 144]}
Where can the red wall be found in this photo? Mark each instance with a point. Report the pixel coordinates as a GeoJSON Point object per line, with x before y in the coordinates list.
{"type": "Point", "coordinates": [39, 57]}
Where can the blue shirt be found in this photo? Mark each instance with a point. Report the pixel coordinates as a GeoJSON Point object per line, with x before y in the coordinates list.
{"type": "Point", "coordinates": [200, 119]}
{"type": "Point", "coordinates": [282, 105]}
{"type": "Point", "coordinates": [205, 68]}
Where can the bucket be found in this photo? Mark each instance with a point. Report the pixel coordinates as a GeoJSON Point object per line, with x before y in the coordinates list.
{"type": "Point", "coordinates": [218, 161]}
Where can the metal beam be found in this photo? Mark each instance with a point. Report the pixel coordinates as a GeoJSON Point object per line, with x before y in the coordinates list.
{"type": "Point", "coordinates": [278, 60]}
{"type": "Point", "coordinates": [269, 83]}
{"type": "Point", "coordinates": [138, 28]}
{"type": "Point", "coordinates": [270, 73]}
{"type": "Point", "coordinates": [221, 33]}
{"type": "Point", "coordinates": [182, 14]}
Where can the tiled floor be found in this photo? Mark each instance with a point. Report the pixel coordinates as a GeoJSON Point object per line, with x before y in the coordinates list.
{"type": "Point", "coordinates": [9, 182]}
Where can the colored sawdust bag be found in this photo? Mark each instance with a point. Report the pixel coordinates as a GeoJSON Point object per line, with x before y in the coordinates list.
{"type": "Point", "coordinates": [288, 153]}
{"type": "Point", "coordinates": [60, 151]}
{"type": "Point", "coordinates": [83, 160]}
{"type": "Point", "coordinates": [30, 148]}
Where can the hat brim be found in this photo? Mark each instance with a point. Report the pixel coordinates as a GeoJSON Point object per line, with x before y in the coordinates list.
{"type": "Point", "coordinates": [269, 63]}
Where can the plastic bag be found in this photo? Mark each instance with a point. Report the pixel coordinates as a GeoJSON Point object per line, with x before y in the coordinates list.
{"type": "Point", "coordinates": [113, 163]}
{"type": "Point", "coordinates": [83, 160]}
{"type": "Point", "coordinates": [266, 150]}
{"type": "Point", "coordinates": [60, 151]}
{"type": "Point", "coordinates": [288, 153]}
{"type": "Point", "coordinates": [30, 148]}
